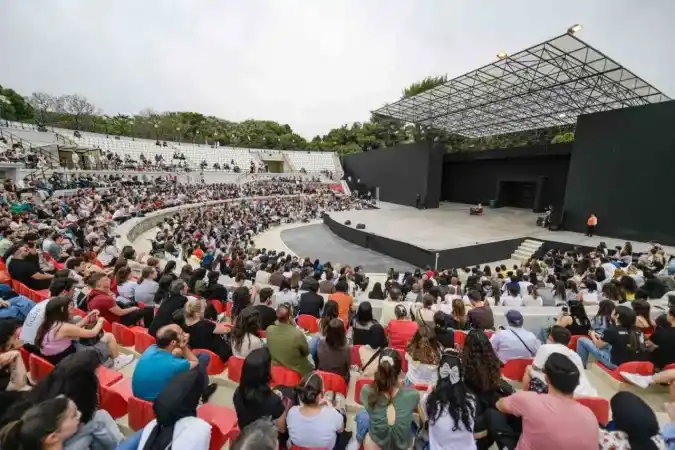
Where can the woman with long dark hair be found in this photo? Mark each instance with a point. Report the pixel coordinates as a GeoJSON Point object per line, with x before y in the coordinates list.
{"type": "Point", "coordinates": [603, 318]}
{"type": "Point", "coordinates": [241, 299]}
{"type": "Point", "coordinates": [245, 334]}
{"type": "Point", "coordinates": [383, 399]}
{"type": "Point", "coordinates": [75, 377]}
{"type": "Point", "coordinates": [333, 352]}
{"type": "Point", "coordinates": [163, 287]}
{"type": "Point", "coordinates": [576, 320]}
{"type": "Point", "coordinates": [611, 291]}
{"type": "Point", "coordinates": [644, 320]}
{"type": "Point", "coordinates": [362, 322]}
{"type": "Point", "coordinates": [559, 293]}
{"type": "Point", "coordinates": [629, 287]}
{"type": "Point", "coordinates": [194, 279]}
{"type": "Point", "coordinates": [213, 290]}
{"type": "Point", "coordinates": [330, 312]}
{"type": "Point", "coordinates": [45, 426]}
{"type": "Point", "coordinates": [376, 293]}
{"type": "Point", "coordinates": [370, 353]}
{"type": "Point", "coordinates": [423, 354]}
{"type": "Point", "coordinates": [621, 342]}
{"type": "Point", "coordinates": [254, 398]}
{"type": "Point", "coordinates": [483, 379]}
{"type": "Point", "coordinates": [450, 407]}
{"type": "Point", "coordinates": [635, 425]}
{"type": "Point", "coordinates": [169, 269]}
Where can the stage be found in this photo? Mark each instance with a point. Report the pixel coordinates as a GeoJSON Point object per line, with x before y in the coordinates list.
{"type": "Point", "coordinates": [416, 236]}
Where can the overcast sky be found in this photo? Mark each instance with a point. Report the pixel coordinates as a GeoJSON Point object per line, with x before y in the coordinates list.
{"type": "Point", "coordinates": [314, 64]}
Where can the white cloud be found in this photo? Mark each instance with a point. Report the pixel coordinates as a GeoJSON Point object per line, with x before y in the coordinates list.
{"type": "Point", "coordinates": [314, 64]}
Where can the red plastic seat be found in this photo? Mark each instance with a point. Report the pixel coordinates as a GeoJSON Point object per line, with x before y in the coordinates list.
{"type": "Point", "coordinates": [515, 368]}
{"type": "Point", "coordinates": [281, 376]}
{"type": "Point", "coordinates": [333, 382]}
{"type": "Point", "coordinates": [234, 367]}
{"type": "Point", "coordinates": [421, 387]}
{"type": "Point", "coordinates": [489, 333]}
{"type": "Point", "coordinates": [356, 357]}
{"type": "Point", "coordinates": [460, 338]}
{"type": "Point", "coordinates": [140, 413]}
{"type": "Point", "coordinates": [262, 334]}
{"type": "Point", "coordinates": [228, 309]}
{"type": "Point", "coordinates": [573, 342]}
{"type": "Point", "coordinates": [217, 305]}
{"type": "Point", "coordinates": [123, 335]}
{"type": "Point", "coordinates": [113, 402]}
{"type": "Point", "coordinates": [404, 361]}
{"type": "Point", "coordinates": [638, 367]}
{"type": "Point", "coordinates": [670, 367]}
{"type": "Point", "coordinates": [143, 341]}
{"type": "Point", "coordinates": [222, 420]}
{"type": "Point", "coordinates": [38, 367]}
{"type": "Point", "coordinates": [308, 322]}
{"type": "Point", "coordinates": [78, 313]}
{"type": "Point", "coordinates": [360, 383]}
{"type": "Point", "coordinates": [599, 406]}
{"type": "Point", "coordinates": [25, 356]}
{"type": "Point", "coordinates": [216, 365]}
{"type": "Point", "coordinates": [297, 447]}
{"type": "Point", "coordinates": [108, 377]}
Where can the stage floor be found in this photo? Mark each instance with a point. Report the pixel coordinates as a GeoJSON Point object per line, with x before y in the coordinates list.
{"type": "Point", "coordinates": [451, 226]}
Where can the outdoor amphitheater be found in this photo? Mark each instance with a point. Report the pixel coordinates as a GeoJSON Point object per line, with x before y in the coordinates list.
{"type": "Point", "coordinates": [540, 236]}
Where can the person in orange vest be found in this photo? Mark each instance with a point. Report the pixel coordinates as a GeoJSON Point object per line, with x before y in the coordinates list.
{"type": "Point", "coordinates": [591, 223]}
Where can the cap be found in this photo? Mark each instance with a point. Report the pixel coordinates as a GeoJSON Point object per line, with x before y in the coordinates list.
{"type": "Point", "coordinates": [514, 318]}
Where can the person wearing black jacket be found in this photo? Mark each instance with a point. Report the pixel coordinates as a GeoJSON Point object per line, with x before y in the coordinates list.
{"type": "Point", "coordinates": [268, 315]}
{"type": "Point", "coordinates": [170, 308]}
{"type": "Point", "coordinates": [310, 302]}
{"type": "Point", "coordinates": [213, 289]}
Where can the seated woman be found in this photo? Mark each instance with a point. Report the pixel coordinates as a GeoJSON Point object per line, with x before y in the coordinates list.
{"type": "Point", "coordinates": [241, 299]}
{"type": "Point", "coordinates": [402, 329]}
{"type": "Point", "coordinates": [170, 308]}
{"type": "Point", "coordinates": [458, 320]}
{"type": "Point", "coordinates": [46, 425]}
{"type": "Point", "coordinates": [126, 288]}
{"type": "Point", "coordinates": [603, 318]}
{"type": "Point", "coordinates": [57, 338]}
{"type": "Point", "coordinates": [213, 289]}
{"type": "Point", "coordinates": [254, 398]}
{"type": "Point", "coordinates": [425, 315]}
{"type": "Point", "coordinates": [205, 334]}
{"type": "Point", "coordinates": [362, 323]}
{"type": "Point", "coordinates": [13, 375]}
{"type": "Point", "coordinates": [483, 379]}
{"type": "Point", "coordinates": [147, 287]}
{"type": "Point", "coordinates": [635, 425]}
{"type": "Point", "coordinates": [330, 312]}
{"type": "Point", "coordinates": [371, 352]}
{"type": "Point", "coordinates": [386, 418]}
{"type": "Point", "coordinates": [245, 334]}
{"type": "Point", "coordinates": [423, 354]}
{"type": "Point", "coordinates": [450, 408]}
{"type": "Point", "coordinates": [621, 342]}
{"type": "Point", "coordinates": [444, 334]}
{"type": "Point", "coordinates": [376, 293]}
{"type": "Point", "coordinates": [576, 320]}
{"type": "Point", "coordinates": [316, 422]}
{"type": "Point", "coordinates": [643, 319]}
{"type": "Point", "coordinates": [196, 282]}
{"type": "Point", "coordinates": [162, 292]}
{"type": "Point", "coordinates": [75, 378]}
{"type": "Point", "coordinates": [333, 353]}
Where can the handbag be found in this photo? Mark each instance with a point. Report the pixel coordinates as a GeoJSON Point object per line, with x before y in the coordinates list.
{"type": "Point", "coordinates": [523, 342]}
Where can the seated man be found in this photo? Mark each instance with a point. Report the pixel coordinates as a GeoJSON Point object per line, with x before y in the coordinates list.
{"type": "Point", "coordinates": [160, 363]}
{"type": "Point", "coordinates": [267, 314]}
{"type": "Point", "coordinates": [546, 418]}
{"type": "Point", "coordinates": [288, 345]}
{"type": "Point", "coordinates": [515, 342]}
{"type": "Point", "coordinates": [311, 303]}
{"type": "Point", "coordinates": [101, 298]}
{"type": "Point", "coordinates": [24, 270]}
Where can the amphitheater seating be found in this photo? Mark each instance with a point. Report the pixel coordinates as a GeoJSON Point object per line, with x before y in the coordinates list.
{"type": "Point", "coordinates": [460, 338]}
{"type": "Point", "coordinates": [599, 406]}
{"type": "Point", "coordinates": [573, 342]}
{"type": "Point", "coordinates": [639, 367]}
{"type": "Point", "coordinates": [36, 296]}
{"type": "Point", "coordinates": [38, 368]}
{"type": "Point", "coordinates": [123, 335]}
{"type": "Point", "coordinates": [143, 341]}
{"type": "Point", "coordinates": [333, 382]}
{"type": "Point", "coordinates": [113, 401]}
{"type": "Point", "coordinates": [223, 422]}
{"type": "Point", "coordinates": [281, 376]}
{"type": "Point", "coordinates": [358, 387]}
{"type": "Point", "coordinates": [515, 369]}
{"type": "Point", "coordinates": [216, 365]}
{"type": "Point", "coordinates": [140, 413]}
{"type": "Point", "coordinates": [308, 323]}
{"type": "Point", "coordinates": [356, 358]}
{"type": "Point", "coordinates": [234, 368]}
{"type": "Point", "coordinates": [312, 162]}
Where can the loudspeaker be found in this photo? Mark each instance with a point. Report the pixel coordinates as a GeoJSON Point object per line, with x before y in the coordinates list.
{"type": "Point", "coordinates": [348, 222]}
{"type": "Point", "coordinates": [360, 226]}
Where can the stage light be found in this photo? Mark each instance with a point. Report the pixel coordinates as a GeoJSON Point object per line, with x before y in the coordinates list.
{"type": "Point", "coordinates": [574, 28]}
{"type": "Point", "coordinates": [502, 55]}
{"type": "Point", "coordinates": [562, 115]}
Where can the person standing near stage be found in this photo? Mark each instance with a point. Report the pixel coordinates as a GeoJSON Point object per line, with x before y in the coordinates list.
{"type": "Point", "coordinates": [591, 223]}
{"type": "Point", "coordinates": [417, 200]}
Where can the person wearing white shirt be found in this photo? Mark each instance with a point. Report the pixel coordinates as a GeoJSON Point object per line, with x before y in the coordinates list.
{"type": "Point", "coordinates": [515, 342]}
{"type": "Point", "coordinates": [512, 299]}
{"type": "Point", "coordinates": [558, 341]}
{"type": "Point", "coordinates": [532, 298]}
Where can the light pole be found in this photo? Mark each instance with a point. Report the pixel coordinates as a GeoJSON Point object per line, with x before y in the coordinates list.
{"type": "Point", "coordinates": [4, 101]}
{"type": "Point", "coordinates": [178, 134]}
{"type": "Point", "coordinates": [196, 135]}
{"type": "Point", "coordinates": [131, 124]}
{"type": "Point", "coordinates": [157, 132]}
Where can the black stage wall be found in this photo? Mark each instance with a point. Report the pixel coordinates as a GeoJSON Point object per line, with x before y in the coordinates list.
{"type": "Point", "coordinates": [622, 170]}
{"type": "Point", "coordinates": [400, 172]}
{"type": "Point", "coordinates": [475, 177]}
{"type": "Point", "coordinates": [455, 257]}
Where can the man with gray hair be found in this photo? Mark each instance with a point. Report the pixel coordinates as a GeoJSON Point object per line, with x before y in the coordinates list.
{"type": "Point", "coordinates": [258, 435]}
{"type": "Point", "coordinates": [175, 302]}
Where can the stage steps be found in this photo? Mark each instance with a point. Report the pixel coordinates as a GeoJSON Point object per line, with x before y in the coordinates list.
{"type": "Point", "coordinates": [526, 250]}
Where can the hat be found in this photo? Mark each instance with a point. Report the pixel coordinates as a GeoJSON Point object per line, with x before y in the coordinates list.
{"type": "Point", "coordinates": [514, 318]}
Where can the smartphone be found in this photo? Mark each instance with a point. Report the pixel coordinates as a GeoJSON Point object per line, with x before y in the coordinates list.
{"type": "Point", "coordinates": [565, 310]}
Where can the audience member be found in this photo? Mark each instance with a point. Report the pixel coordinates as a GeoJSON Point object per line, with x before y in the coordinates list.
{"type": "Point", "coordinates": [402, 329]}
{"type": "Point", "coordinates": [371, 352]}
{"type": "Point", "coordinates": [171, 307]}
{"type": "Point", "coordinates": [333, 353]}
{"type": "Point", "coordinates": [635, 425]}
{"type": "Point", "coordinates": [245, 334]}
{"type": "Point", "coordinates": [288, 345]}
{"type": "Point", "coordinates": [363, 321]}
{"type": "Point", "coordinates": [268, 315]}
{"type": "Point", "coordinates": [205, 334]}
{"type": "Point", "coordinates": [515, 342]}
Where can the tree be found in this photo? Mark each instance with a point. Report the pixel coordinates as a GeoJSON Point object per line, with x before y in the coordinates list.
{"type": "Point", "coordinates": [421, 86]}
{"type": "Point", "coordinates": [78, 107]}
{"type": "Point", "coordinates": [563, 138]}
{"type": "Point", "coordinates": [42, 103]}
{"type": "Point", "coordinates": [14, 106]}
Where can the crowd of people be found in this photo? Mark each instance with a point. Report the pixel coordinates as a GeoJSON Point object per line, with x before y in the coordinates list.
{"type": "Point", "coordinates": [431, 387]}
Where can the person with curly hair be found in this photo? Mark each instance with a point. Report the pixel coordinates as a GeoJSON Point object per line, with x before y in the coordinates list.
{"type": "Point", "coordinates": [423, 354]}
{"type": "Point", "coordinates": [483, 379]}
{"type": "Point", "coordinates": [450, 407]}
{"type": "Point", "coordinates": [244, 336]}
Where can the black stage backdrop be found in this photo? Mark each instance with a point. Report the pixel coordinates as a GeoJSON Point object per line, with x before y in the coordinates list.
{"type": "Point", "coordinates": [622, 171]}
{"type": "Point", "coordinates": [473, 177]}
{"type": "Point", "coordinates": [400, 172]}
